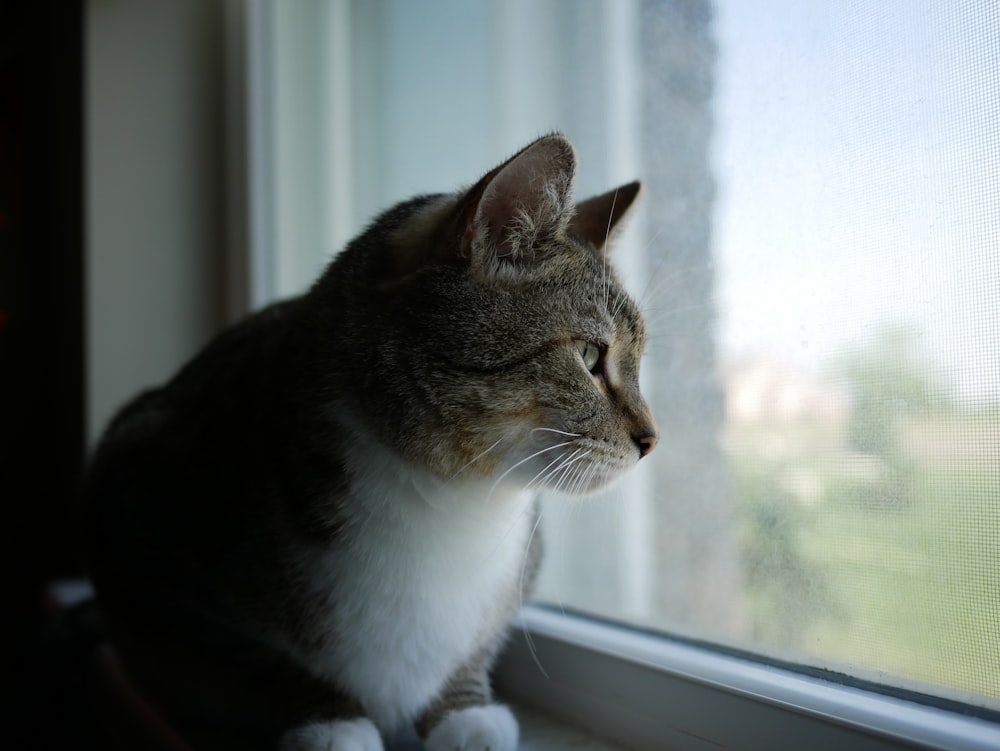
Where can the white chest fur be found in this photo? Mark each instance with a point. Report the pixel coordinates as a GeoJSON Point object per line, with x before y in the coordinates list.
{"type": "Point", "coordinates": [424, 577]}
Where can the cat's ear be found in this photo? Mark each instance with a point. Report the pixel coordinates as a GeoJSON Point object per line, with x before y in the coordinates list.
{"type": "Point", "coordinates": [519, 205]}
{"type": "Point", "coordinates": [596, 218]}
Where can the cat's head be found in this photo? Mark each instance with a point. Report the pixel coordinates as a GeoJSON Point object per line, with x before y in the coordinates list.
{"type": "Point", "coordinates": [498, 341]}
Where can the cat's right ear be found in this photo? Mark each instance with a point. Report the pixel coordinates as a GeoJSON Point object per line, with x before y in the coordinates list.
{"type": "Point", "coordinates": [518, 206]}
{"type": "Point", "coordinates": [597, 219]}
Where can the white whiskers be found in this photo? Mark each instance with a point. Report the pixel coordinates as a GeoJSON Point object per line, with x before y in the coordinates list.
{"type": "Point", "coordinates": [523, 461]}
{"type": "Point", "coordinates": [475, 459]}
{"type": "Point", "coordinates": [520, 591]}
{"type": "Point", "coordinates": [543, 470]}
{"type": "Point", "coordinates": [607, 235]}
{"type": "Point", "coordinates": [659, 282]}
{"type": "Point", "coordinates": [553, 430]}
{"type": "Point", "coordinates": [570, 470]}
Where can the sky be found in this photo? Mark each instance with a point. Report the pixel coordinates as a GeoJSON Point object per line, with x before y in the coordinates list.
{"type": "Point", "coordinates": [857, 152]}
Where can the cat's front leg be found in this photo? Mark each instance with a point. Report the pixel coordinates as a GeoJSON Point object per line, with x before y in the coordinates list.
{"type": "Point", "coordinates": [464, 718]}
{"type": "Point", "coordinates": [359, 734]}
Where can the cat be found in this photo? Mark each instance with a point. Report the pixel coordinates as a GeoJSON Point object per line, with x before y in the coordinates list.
{"type": "Point", "coordinates": [319, 529]}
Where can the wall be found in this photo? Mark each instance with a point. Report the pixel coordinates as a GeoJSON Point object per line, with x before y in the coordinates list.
{"type": "Point", "coordinates": [155, 215]}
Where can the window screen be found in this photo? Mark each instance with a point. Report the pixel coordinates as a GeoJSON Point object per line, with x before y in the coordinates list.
{"type": "Point", "coordinates": [823, 244]}
{"type": "Point", "coordinates": [818, 259]}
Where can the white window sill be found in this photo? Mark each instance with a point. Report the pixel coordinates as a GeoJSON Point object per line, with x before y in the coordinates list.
{"type": "Point", "coordinates": [649, 692]}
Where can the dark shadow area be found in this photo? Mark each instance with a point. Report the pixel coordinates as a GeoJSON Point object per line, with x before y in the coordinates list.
{"type": "Point", "coordinates": [44, 648]}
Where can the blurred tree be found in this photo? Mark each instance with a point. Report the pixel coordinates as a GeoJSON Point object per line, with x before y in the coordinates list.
{"type": "Point", "coordinates": [890, 378]}
{"type": "Point", "coordinates": [787, 591]}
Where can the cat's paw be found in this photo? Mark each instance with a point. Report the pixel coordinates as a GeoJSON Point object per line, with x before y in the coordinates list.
{"type": "Point", "coordinates": [339, 735]}
{"type": "Point", "coordinates": [489, 728]}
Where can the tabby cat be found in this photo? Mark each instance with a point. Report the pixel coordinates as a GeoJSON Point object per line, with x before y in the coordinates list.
{"type": "Point", "coordinates": [318, 530]}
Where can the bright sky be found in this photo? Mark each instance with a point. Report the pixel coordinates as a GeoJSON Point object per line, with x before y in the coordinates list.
{"type": "Point", "coordinates": [857, 155]}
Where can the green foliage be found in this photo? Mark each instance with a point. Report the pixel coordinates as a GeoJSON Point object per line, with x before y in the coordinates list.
{"type": "Point", "coordinates": [890, 380]}
{"type": "Point", "coordinates": [786, 590]}
{"type": "Point", "coordinates": [894, 567]}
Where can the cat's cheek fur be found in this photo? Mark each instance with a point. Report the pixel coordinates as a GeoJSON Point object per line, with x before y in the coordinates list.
{"type": "Point", "coordinates": [341, 735]}
{"type": "Point", "coordinates": [489, 728]}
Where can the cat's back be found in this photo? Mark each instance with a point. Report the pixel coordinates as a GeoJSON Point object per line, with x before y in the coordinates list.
{"type": "Point", "coordinates": [235, 365]}
{"type": "Point", "coordinates": [188, 464]}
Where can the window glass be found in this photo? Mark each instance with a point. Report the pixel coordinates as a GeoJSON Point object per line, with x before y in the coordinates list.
{"type": "Point", "coordinates": [818, 259]}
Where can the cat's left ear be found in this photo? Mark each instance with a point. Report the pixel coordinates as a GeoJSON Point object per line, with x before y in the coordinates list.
{"type": "Point", "coordinates": [520, 205]}
{"type": "Point", "coordinates": [596, 218]}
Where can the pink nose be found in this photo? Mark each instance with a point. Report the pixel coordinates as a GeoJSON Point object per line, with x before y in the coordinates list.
{"type": "Point", "coordinates": [645, 442]}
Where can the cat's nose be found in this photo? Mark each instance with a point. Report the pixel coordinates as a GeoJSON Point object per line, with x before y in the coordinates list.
{"type": "Point", "coordinates": [646, 443]}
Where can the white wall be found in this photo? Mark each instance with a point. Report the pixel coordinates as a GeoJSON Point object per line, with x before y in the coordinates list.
{"type": "Point", "coordinates": [155, 202]}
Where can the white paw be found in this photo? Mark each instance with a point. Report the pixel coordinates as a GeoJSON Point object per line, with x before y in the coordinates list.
{"type": "Point", "coordinates": [490, 728]}
{"type": "Point", "coordinates": [342, 735]}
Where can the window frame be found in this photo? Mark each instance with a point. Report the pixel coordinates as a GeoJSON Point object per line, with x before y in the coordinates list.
{"type": "Point", "coordinates": [653, 692]}
{"type": "Point", "coordinates": [643, 690]}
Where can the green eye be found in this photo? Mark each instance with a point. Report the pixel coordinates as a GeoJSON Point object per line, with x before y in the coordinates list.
{"type": "Point", "coordinates": [590, 353]}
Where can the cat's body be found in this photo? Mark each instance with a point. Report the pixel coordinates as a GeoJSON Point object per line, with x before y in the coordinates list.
{"type": "Point", "coordinates": [323, 524]}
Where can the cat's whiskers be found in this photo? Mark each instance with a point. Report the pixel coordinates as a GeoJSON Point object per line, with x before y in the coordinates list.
{"type": "Point", "coordinates": [554, 430]}
{"type": "Point", "coordinates": [622, 300]}
{"type": "Point", "coordinates": [658, 283]}
{"type": "Point", "coordinates": [592, 472]}
{"type": "Point", "coordinates": [475, 459]}
{"type": "Point", "coordinates": [559, 486]}
{"type": "Point", "coordinates": [525, 508]}
{"type": "Point", "coordinates": [607, 235]}
{"type": "Point", "coordinates": [564, 459]}
{"type": "Point", "coordinates": [573, 459]}
{"type": "Point", "coordinates": [532, 482]}
{"type": "Point", "coordinates": [522, 461]}
{"type": "Point", "coordinates": [664, 315]}
{"type": "Point", "coordinates": [649, 252]}
{"type": "Point", "coordinates": [560, 473]}
{"type": "Point", "coordinates": [565, 482]}
{"type": "Point", "coordinates": [520, 593]}
{"type": "Point", "coordinates": [581, 476]}
{"type": "Point", "coordinates": [584, 473]}
{"type": "Point", "coordinates": [658, 297]}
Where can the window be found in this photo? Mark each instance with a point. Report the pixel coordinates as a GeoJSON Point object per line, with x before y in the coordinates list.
{"type": "Point", "coordinates": [818, 257]}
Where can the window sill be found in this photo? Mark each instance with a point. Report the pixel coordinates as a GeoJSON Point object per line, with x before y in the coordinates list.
{"type": "Point", "coordinates": [649, 692]}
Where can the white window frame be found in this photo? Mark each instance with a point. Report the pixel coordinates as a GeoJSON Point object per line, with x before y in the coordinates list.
{"type": "Point", "coordinates": [643, 690]}
{"type": "Point", "coordinates": [652, 692]}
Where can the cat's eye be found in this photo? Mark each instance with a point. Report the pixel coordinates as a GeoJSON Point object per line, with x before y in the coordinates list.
{"type": "Point", "coordinates": [590, 353]}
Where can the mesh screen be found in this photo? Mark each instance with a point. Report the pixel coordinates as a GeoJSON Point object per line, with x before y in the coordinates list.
{"type": "Point", "coordinates": [827, 489]}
